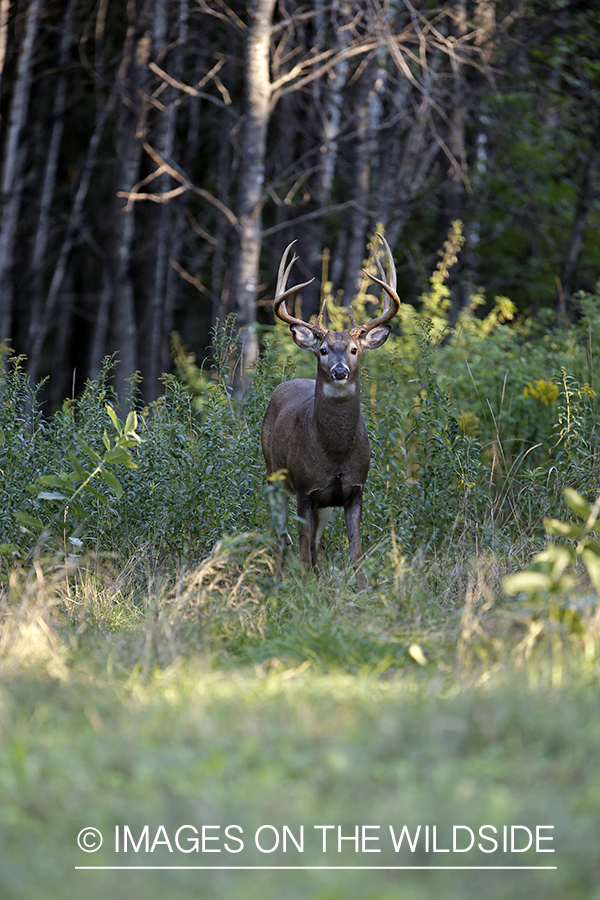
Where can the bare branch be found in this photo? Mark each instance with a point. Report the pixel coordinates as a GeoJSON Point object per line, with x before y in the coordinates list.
{"type": "Point", "coordinates": [187, 277]}
{"type": "Point", "coordinates": [315, 214]}
{"type": "Point", "coordinates": [197, 90]}
{"type": "Point", "coordinates": [183, 180]}
{"type": "Point", "coordinates": [192, 91]}
{"type": "Point", "coordinates": [161, 197]}
{"type": "Point", "coordinates": [229, 17]}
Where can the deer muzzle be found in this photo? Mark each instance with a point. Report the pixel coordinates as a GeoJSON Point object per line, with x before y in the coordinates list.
{"type": "Point", "coordinates": [340, 372]}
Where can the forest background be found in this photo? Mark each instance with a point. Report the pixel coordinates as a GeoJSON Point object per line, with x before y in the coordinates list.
{"type": "Point", "coordinates": [158, 156]}
{"type": "Point", "coordinates": [163, 661]}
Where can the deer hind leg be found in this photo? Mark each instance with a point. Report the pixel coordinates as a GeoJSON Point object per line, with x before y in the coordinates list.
{"type": "Point", "coordinates": [320, 520]}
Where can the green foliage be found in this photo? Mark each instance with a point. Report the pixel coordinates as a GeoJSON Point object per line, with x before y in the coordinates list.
{"type": "Point", "coordinates": [550, 577]}
{"type": "Point", "coordinates": [67, 486]}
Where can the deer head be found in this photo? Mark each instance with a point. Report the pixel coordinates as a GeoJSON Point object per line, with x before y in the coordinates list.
{"type": "Point", "coordinates": [338, 353]}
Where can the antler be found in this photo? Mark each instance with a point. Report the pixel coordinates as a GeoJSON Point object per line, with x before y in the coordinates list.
{"type": "Point", "coordinates": [389, 308]}
{"type": "Point", "coordinates": [281, 295]}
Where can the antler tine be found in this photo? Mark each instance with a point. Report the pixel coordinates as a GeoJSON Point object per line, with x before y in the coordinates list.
{"type": "Point", "coordinates": [391, 303]}
{"type": "Point", "coordinates": [284, 270]}
{"type": "Point", "coordinates": [392, 277]}
{"type": "Point", "coordinates": [319, 322]}
{"type": "Point", "coordinates": [281, 294]}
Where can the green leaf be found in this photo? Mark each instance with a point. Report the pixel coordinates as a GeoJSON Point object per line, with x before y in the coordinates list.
{"type": "Point", "coordinates": [25, 519]}
{"type": "Point", "coordinates": [77, 510]}
{"type": "Point", "coordinates": [2, 443]}
{"type": "Point", "coordinates": [113, 417]}
{"type": "Point", "coordinates": [527, 583]}
{"type": "Point", "coordinates": [119, 456]}
{"type": "Point", "coordinates": [97, 494]}
{"type": "Point", "coordinates": [565, 529]}
{"type": "Point", "coordinates": [131, 422]}
{"type": "Point", "coordinates": [593, 547]}
{"type": "Point", "coordinates": [592, 564]}
{"type": "Point", "coordinates": [113, 483]}
{"type": "Point", "coordinates": [55, 481]}
{"type": "Point", "coordinates": [576, 502]}
{"type": "Point", "coordinates": [559, 558]}
{"type": "Point", "coordinates": [415, 652]}
{"type": "Point", "coordinates": [8, 549]}
{"type": "Point", "coordinates": [106, 441]}
{"type": "Point", "coordinates": [91, 453]}
{"type": "Point", "coordinates": [51, 495]}
{"type": "Point", "coordinates": [78, 468]}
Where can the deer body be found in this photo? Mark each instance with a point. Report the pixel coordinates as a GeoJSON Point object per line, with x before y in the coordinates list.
{"type": "Point", "coordinates": [328, 463]}
{"type": "Point", "coordinates": [315, 431]}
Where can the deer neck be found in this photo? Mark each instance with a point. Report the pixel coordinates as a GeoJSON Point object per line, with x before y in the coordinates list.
{"type": "Point", "coordinates": [337, 414]}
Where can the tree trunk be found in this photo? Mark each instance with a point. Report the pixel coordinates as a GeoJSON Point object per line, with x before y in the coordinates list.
{"type": "Point", "coordinates": [40, 328]}
{"type": "Point", "coordinates": [133, 73]}
{"type": "Point", "coordinates": [4, 13]}
{"type": "Point", "coordinates": [12, 186]}
{"type": "Point", "coordinates": [163, 217]}
{"type": "Point", "coordinates": [257, 99]}
{"type": "Point", "coordinates": [452, 194]}
{"type": "Point", "coordinates": [369, 118]}
{"type": "Point", "coordinates": [586, 194]}
{"type": "Point", "coordinates": [38, 260]}
{"type": "Point", "coordinates": [328, 96]}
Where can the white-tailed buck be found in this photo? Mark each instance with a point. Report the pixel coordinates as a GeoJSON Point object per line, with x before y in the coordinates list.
{"type": "Point", "coordinates": [314, 430]}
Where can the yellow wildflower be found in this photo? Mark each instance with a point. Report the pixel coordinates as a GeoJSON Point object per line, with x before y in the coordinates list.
{"type": "Point", "coordinates": [542, 389]}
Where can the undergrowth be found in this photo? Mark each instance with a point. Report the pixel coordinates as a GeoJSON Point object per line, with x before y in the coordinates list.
{"type": "Point", "coordinates": [154, 528]}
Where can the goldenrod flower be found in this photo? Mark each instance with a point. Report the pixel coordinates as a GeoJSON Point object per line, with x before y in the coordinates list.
{"type": "Point", "coordinates": [542, 389]}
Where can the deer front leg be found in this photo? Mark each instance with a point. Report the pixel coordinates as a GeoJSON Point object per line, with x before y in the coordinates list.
{"type": "Point", "coordinates": [353, 511]}
{"type": "Point", "coordinates": [305, 514]}
{"type": "Point", "coordinates": [320, 519]}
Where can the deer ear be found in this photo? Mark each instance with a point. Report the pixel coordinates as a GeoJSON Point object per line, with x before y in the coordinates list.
{"type": "Point", "coordinates": [304, 336]}
{"type": "Point", "coordinates": [375, 338]}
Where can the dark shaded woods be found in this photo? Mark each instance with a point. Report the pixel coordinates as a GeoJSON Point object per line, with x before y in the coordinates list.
{"type": "Point", "coordinates": [157, 156]}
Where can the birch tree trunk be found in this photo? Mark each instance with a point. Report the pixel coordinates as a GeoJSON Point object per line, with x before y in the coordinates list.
{"type": "Point", "coordinates": [257, 99]}
{"type": "Point", "coordinates": [12, 186]}
{"type": "Point", "coordinates": [4, 11]}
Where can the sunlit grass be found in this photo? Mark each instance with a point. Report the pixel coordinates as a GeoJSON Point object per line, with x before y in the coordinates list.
{"type": "Point", "coordinates": [259, 710]}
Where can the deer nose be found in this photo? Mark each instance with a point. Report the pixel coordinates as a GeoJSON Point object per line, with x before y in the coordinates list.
{"type": "Point", "coordinates": [340, 372]}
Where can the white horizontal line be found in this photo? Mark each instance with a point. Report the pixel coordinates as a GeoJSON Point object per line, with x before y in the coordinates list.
{"type": "Point", "coordinates": [328, 868]}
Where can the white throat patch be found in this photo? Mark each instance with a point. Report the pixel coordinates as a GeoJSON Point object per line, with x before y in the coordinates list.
{"type": "Point", "coordinates": [338, 388]}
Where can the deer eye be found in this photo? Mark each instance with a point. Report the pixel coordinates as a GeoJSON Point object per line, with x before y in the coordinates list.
{"type": "Point", "coordinates": [323, 351]}
{"type": "Point", "coordinates": [353, 351]}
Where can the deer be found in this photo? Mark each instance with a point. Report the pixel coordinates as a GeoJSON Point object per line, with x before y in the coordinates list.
{"type": "Point", "coordinates": [313, 431]}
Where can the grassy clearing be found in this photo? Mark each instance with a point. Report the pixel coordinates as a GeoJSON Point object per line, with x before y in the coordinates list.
{"type": "Point", "coordinates": [312, 715]}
